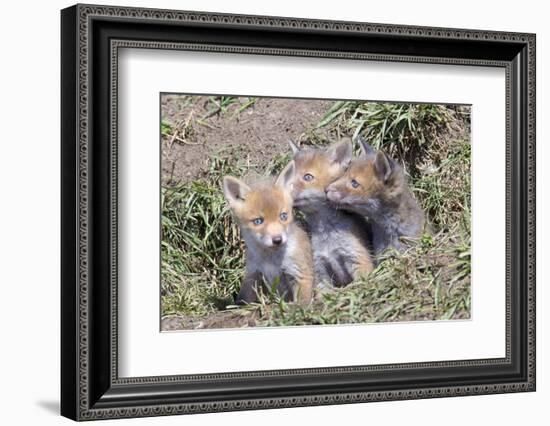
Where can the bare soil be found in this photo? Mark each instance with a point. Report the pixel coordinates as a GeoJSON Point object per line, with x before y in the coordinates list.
{"type": "Point", "coordinates": [260, 131]}
{"type": "Point", "coordinates": [222, 319]}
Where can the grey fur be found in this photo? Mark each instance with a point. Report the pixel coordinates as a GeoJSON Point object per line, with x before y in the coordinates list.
{"type": "Point", "coordinates": [393, 214]}
{"type": "Point", "coordinates": [293, 146]}
{"type": "Point", "coordinates": [334, 258]}
{"type": "Point", "coordinates": [269, 266]}
{"type": "Point", "coordinates": [366, 150]}
{"type": "Point", "coordinates": [334, 233]}
{"type": "Point", "coordinates": [389, 226]}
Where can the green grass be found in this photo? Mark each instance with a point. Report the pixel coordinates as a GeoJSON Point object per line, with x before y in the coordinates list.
{"type": "Point", "coordinates": [202, 252]}
{"type": "Point", "coordinates": [203, 255]}
{"type": "Point", "coordinates": [428, 281]}
{"type": "Point", "coordinates": [420, 137]}
{"type": "Point", "coordinates": [165, 127]}
{"type": "Point", "coordinates": [223, 104]}
{"type": "Point", "coordinates": [408, 132]}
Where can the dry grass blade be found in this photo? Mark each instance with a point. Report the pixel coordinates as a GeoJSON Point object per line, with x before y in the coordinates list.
{"type": "Point", "coordinates": [203, 255]}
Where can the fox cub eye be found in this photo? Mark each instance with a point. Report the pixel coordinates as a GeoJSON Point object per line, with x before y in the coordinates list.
{"type": "Point", "coordinates": [258, 221]}
{"type": "Point", "coordinates": [308, 177]}
{"type": "Point", "coordinates": [354, 183]}
{"type": "Point", "coordinates": [284, 216]}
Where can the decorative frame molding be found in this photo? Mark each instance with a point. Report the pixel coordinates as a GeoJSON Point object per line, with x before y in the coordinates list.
{"type": "Point", "coordinates": [91, 37]}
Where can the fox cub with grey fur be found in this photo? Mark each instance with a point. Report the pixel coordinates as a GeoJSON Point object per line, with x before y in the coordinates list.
{"type": "Point", "coordinates": [278, 251]}
{"type": "Point", "coordinates": [375, 186]}
{"type": "Point", "coordinates": [339, 239]}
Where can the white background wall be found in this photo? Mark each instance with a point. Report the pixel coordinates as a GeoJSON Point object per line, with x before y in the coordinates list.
{"type": "Point", "coordinates": [29, 211]}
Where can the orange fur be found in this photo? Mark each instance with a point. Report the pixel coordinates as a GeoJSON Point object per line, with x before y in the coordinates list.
{"type": "Point", "coordinates": [304, 262]}
{"type": "Point", "coordinates": [278, 251]}
{"type": "Point", "coordinates": [363, 171]}
{"type": "Point", "coordinates": [268, 202]}
{"type": "Point", "coordinates": [324, 166]}
{"type": "Point", "coordinates": [340, 241]}
{"type": "Point", "coordinates": [374, 186]}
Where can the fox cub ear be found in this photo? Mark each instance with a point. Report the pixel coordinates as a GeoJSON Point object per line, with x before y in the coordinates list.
{"type": "Point", "coordinates": [295, 148]}
{"type": "Point", "coordinates": [286, 177]}
{"type": "Point", "coordinates": [341, 152]}
{"type": "Point", "coordinates": [234, 190]}
{"type": "Point", "coordinates": [366, 150]}
{"type": "Point", "coordinates": [383, 166]}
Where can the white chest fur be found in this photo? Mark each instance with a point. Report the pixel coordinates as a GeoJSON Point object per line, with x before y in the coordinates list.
{"type": "Point", "coordinates": [271, 262]}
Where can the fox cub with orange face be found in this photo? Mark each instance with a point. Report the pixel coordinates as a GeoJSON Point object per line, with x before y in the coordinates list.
{"type": "Point", "coordinates": [374, 185]}
{"type": "Point", "coordinates": [278, 251]}
{"type": "Point", "coordinates": [339, 239]}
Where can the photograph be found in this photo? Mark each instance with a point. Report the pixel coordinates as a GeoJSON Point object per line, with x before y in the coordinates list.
{"type": "Point", "coordinates": [312, 212]}
{"type": "Point", "coordinates": [265, 209]}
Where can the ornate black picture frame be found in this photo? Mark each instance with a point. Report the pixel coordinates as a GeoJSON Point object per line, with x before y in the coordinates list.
{"type": "Point", "coordinates": [91, 36]}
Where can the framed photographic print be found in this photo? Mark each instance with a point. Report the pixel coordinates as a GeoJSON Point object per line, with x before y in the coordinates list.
{"type": "Point", "coordinates": [263, 212]}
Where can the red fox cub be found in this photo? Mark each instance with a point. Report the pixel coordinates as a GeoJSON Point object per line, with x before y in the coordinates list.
{"type": "Point", "coordinates": [278, 251]}
{"type": "Point", "coordinates": [339, 239]}
{"type": "Point", "coordinates": [375, 186]}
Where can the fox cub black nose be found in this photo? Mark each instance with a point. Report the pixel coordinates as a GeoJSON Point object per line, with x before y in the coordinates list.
{"type": "Point", "coordinates": [277, 240]}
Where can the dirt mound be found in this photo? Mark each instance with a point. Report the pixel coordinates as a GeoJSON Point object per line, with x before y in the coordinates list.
{"type": "Point", "coordinates": [222, 319]}
{"type": "Point", "coordinates": [259, 127]}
